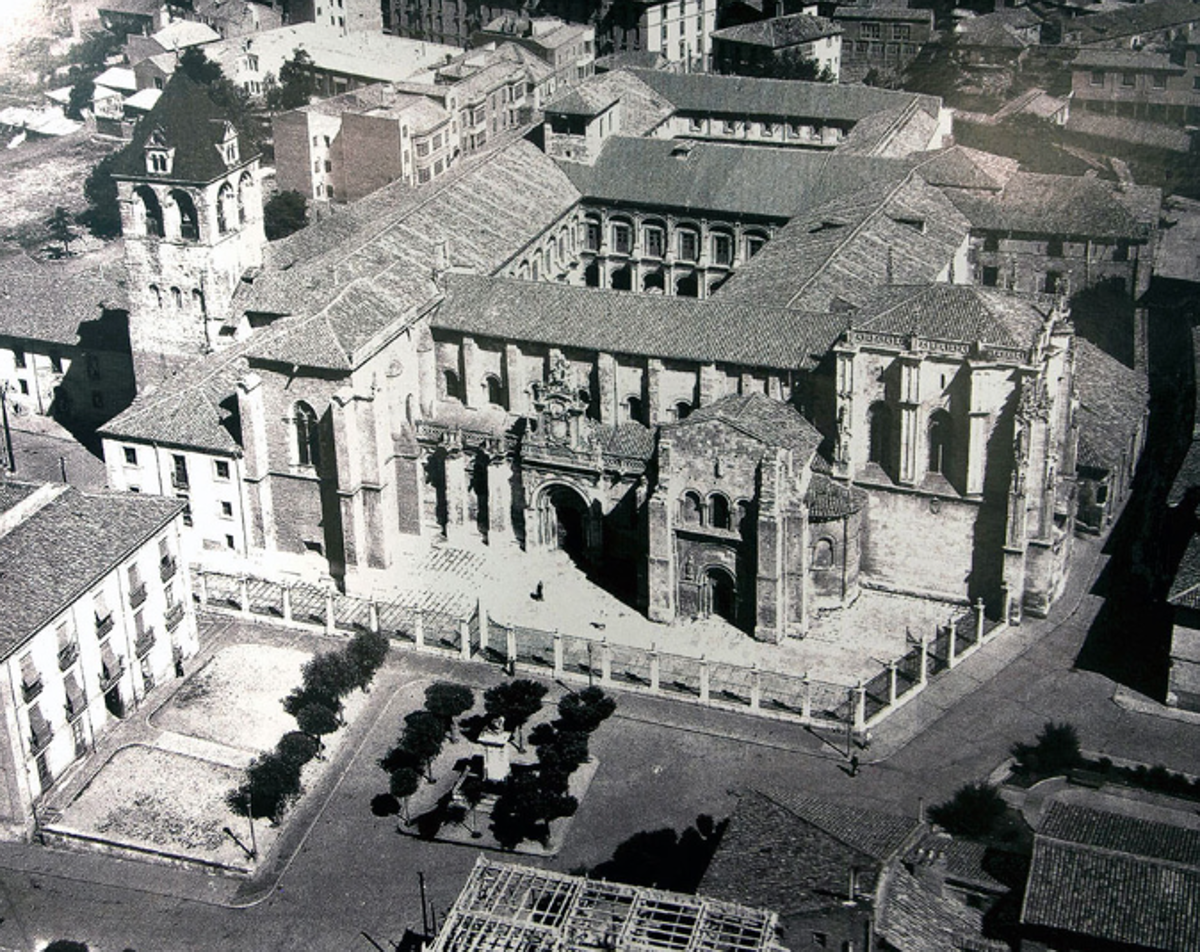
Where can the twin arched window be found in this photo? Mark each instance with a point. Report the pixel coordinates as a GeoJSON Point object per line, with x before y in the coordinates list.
{"type": "Point", "coordinates": [308, 437]}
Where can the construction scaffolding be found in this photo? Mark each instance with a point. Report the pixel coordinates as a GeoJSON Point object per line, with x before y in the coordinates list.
{"type": "Point", "coordinates": [508, 908]}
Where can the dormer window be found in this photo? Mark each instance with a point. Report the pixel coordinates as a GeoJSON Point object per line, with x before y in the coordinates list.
{"type": "Point", "coordinates": [228, 146]}
{"type": "Point", "coordinates": [160, 157]}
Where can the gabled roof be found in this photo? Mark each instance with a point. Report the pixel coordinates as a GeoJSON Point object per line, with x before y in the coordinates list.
{"type": "Point", "coordinates": [57, 553]}
{"type": "Point", "coordinates": [637, 324]}
{"type": "Point", "coordinates": [180, 34]}
{"type": "Point", "coordinates": [186, 119]}
{"type": "Point", "coordinates": [1126, 59]}
{"type": "Point", "coordinates": [771, 422]}
{"type": "Point", "coordinates": [1113, 400]}
{"type": "Point", "coordinates": [1062, 205]}
{"type": "Point", "coordinates": [643, 108]}
{"type": "Point", "coordinates": [883, 12]}
{"type": "Point", "coordinates": [779, 32]}
{"type": "Point", "coordinates": [712, 94]}
{"type": "Point", "coordinates": [48, 306]}
{"type": "Point", "coordinates": [1120, 879]}
{"type": "Point", "coordinates": [912, 917]}
{"type": "Point", "coordinates": [956, 312]}
{"type": "Point", "coordinates": [120, 78]}
{"type": "Point", "coordinates": [961, 167]}
{"type": "Point", "coordinates": [699, 176]}
{"type": "Point", "coordinates": [1130, 19]}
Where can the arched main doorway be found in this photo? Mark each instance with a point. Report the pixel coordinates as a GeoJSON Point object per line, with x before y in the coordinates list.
{"type": "Point", "coordinates": [564, 519]}
{"type": "Point", "coordinates": [720, 594]}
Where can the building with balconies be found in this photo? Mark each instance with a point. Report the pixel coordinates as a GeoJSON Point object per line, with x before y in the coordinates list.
{"type": "Point", "coordinates": [97, 611]}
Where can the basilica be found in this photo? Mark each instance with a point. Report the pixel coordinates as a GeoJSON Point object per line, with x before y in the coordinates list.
{"type": "Point", "coordinates": [728, 378]}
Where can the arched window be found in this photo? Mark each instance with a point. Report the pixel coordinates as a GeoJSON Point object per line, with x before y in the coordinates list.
{"type": "Point", "coordinates": [523, 271]}
{"type": "Point", "coordinates": [718, 511]}
{"type": "Point", "coordinates": [635, 410]}
{"type": "Point", "coordinates": [822, 554]}
{"type": "Point", "coordinates": [189, 219]}
{"type": "Point", "coordinates": [149, 211]}
{"type": "Point", "coordinates": [494, 390]}
{"type": "Point", "coordinates": [224, 208]}
{"type": "Point", "coordinates": [198, 302]}
{"type": "Point", "coordinates": [940, 442]}
{"type": "Point", "coordinates": [245, 186]}
{"type": "Point", "coordinates": [308, 438]}
{"type": "Point", "coordinates": [690, 509]}
{"type": "Point", "coordinates": [157, 292]}
{"type": "Point", "coordinates": [879, 428]}
{"type": "Point", "coordinates": [450, 378]}
{"type": "Point", "coordinates": [177, 298]}
{"type": "Point", "coordinates": [682, 410]}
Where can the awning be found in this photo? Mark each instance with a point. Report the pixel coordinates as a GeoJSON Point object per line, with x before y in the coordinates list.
{"type": "Point", "coordinates": [29, 672]}
{"type": "Point", "coordinates": [76, 699]}
{"type": "Point", "coordinates": [39, 727]}
{"type": "Point", "coordinates": [108, 659]}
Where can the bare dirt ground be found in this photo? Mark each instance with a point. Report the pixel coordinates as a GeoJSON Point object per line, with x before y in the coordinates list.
{"type": "Point", "coordinates": [42, 175]}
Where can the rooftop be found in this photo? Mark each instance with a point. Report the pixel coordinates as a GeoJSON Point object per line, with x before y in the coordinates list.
{"type": "Point", "coordinates": [1129, 20]}
{"type": "Point", "coordinates": [636, 324]}
{"type": "Point", "coordinates": [883, 12]}
{"type": "Point", "coordinates": [1126, 59]}
{"type": "Point", "coordinates": [780, 32]}
{"type": "Point", "coordinates": [44, 305]}
{"type": "Point", "coordinates": [769, 421]}
{"type": "Point", "coordinates": [181, 34]}
{"type": "Point", "coordinates": [642, 107]}
{"type": "Point", "coordinates": [1113, 400]}
{"type": "Point", "coordinates": [53, 556]}
{"type": "Point", "coordinates": [505, 906]}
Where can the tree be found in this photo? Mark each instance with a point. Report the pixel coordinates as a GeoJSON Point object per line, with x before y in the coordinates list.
{"type": "Point", "coordinates": [585, 710]}
{"type": "Point", "coordinates": [402, 785]}
{"type": "Point", "coordinates": [296, 85]}
{"type": "Point", "coordinates": [975, 810]}
{"type": "Point", "coordinates": [62, 229]}
{"type": "Point", "coordinates": [196, 66]}
{"type": "Point", "coordinates": [297, 747]}
{"type": "Point", "coordinates": [316, 720]}
{"type": "Point", "coordinates": [560, 753]}
{"type": "Point", "coordinates": [271, 784]}
{"type": "Point", "coordinates": [514, 702]}
{"type": "Point", "coordinates": [80, 98]}
{"type": "Point", "coordinates": [448, 701]}
{"type": "Point", "coordinates": [1055, 750]}
{"type": "Point", "coordinates": [103, 215]}
{"type": "Point", "coordinates": [525, 809]}
{"type": "Point", "coordinates": [328, 677]}
{"type": "Point", "coordinates": [423, 736]}
{"type": "Point", "coordinates": [284, 213]}
{"type": "Point", "coordinates": [366, 653]}
{"type": "Point", "coordinates": [232, 99]}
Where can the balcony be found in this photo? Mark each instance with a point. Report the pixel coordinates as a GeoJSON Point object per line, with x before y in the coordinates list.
{"type": "Point", "coordinates": [31, 689]}
{"type": "Point", "coordinates": [168, 567]}
{"type": "Point", "coordinates": [104, 625]}
{"type": "Point", "coordinates": [145, 641]}
{"type": "Point", "coordinates": [174, 616]}
{"type": "Point", "coordinates": [39, 740]}
{"type": "Point", "coordinates": [110, 674]}
{"type": "Point", "coordinates": [137, 595]}
{"type": "Point", "coordinates": [67, 655]}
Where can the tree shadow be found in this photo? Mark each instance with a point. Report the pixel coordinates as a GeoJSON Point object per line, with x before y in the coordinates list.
{"type": "Point", "coordinates": [663, 858]}
{"type": "Point", "coordinates": [384, 804]}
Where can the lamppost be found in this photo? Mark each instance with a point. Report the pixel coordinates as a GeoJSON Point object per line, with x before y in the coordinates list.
{"type": "Point", "coordinates": [250, 817]}
{"type": "Point", "coordinates": [10, 461]}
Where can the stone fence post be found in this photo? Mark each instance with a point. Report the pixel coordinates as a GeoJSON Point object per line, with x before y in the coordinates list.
{"type": "Point", "coordinates": [286, 602]}
{"type": "Point", "coordinates": [703, 680]}
{"type": "Point", "coordinates": [330, 619]}
{"type": "Point", "coordinates": [558, 654]}
{"type": "Point", "coordinates": [605, 662]}
{"type": "Point", "coordinates": [419, 627]}
{"type": "Point", "coordinates": [654, 669]}
{"type": "Point", "coordinates": [464, 639]}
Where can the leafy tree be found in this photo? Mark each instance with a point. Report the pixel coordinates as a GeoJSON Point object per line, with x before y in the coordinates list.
{"type": "Point", "coordinates": [585, 710]}
{"type": "Point", "coordinates": [232, 99]}
{"type": "Point", "coordinates": [284, 213]}
{"type": "Point", "coordinates": [403, 784]}
{"type": "Point", "coordinates": [270, 786]}
{"type": "Point", "coordinates": [92, 52]}
{"type": "Point", "coordinates": [975, 810]}
{"type": "Point", "coordinates": [103, 215]}
{"type": "Point", "coordinates": [80, 98]}
{"type": "Point", "coordinates": [560, 753]}
{"type": "Point", "coordinates": [296, 84]}
{"type": "Point", "coordinates": [1055, 750]}
{"type": "Point", "coordinates": [316, 720]}
{"type": "Point", "coordinates": [424, 734]}
{"type": "Point", "coordinates": [297, 747]}
{"type": "Point", "coordinates": [514, 702]}
{"type": "Point", "coordinates": [448, 701]}
{"type": "Point", "coordinates": [526, 808]}
{"type": "Point", "coordinates": [366, 653]}
{"type": "Point", "coordinates": [62, 229]}
{"type": "Point", "coordinates": [196, 66]}
{"type": "Point", "coordinates": [328, 677]}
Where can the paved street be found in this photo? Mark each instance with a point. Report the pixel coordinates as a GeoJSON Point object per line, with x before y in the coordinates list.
{"type": "Point", "coordinates": [661, 764]}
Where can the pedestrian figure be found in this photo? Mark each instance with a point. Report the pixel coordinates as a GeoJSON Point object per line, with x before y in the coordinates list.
{"type": "Point", "coordinates": [537, 593]}
{"type": "Point", "coordinates": [854, 765]}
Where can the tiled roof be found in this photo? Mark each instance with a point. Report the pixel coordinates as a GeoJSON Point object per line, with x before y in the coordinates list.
{"type": "Point", "coordinates": [629, 323]}
{"type": "Point", "coordinates": [836, 253]}
{"type": "Point", "coordinates": [912, 917]}
{"type": "Point", "coordinates": [47, 306]}
{"type": "Point", "coordinates": [1185, 588]}
{"type": "Point", "coordinates": [790, 853]}
{"type": "Point", "coordinates": [1188, 477]}
{"type": "Point", "coordinates": [185, 410]}
{"type": "Point", "coordinates": [1059, 205]}
{"type": "Point", "coordinates": [960, 167]}
{"type": "Point", "coordinates": [711, 94]}
{"type": "Point", "coordinates": [1113, 400]}
{"type": "Point", "coordinates": [700, 176]}
{"type": "Point", "coordinates": [355, 274]}
{"type": "Point", "coordinates": [883, 12]}
{"type": "Point", "coordinates": [55, 555]}
{"type": "Point", "coordinates": [993, 35]}
{"type": "Point", "coordinates": [1153, 839]}
{"type": "Point", "coordinates": [1126, 59]}
{"type": "Point", "coordinates": [779, 32]}
{"type": "Point", "coordinates": [13, 492]}
{"type": "Point", "coordinates": [767, 420]}
{"type": "Point", "coordinates": [1124, 129]}
{"type": "Point", "coordinates": [183, 33]}
{"type": "Point", "coordinates": [642, 107]}
{"type": "Point", "coordinates": [965, 861]}
{"type": "Point", "coordinates": [191, 123]}
{"type": "Point", "coordinates": [1113, 896]}
{"type": "Point", "coordinates": [829, 499]}
{"type": "Point", "coordinates": [1129, 20]}
{"type": "Point", "coordinates": [956, 312]}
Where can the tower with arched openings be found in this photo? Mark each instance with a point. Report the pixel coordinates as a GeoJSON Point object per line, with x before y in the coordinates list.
{"type": "Point", "coordinates": [191, 215]}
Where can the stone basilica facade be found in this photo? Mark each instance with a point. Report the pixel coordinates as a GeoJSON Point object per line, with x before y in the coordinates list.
{"type": "Point", "coordinates": [432, 363]}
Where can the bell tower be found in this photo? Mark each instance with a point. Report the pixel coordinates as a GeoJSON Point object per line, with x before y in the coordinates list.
{"type": "Point", "coordinates": [191, 215]}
